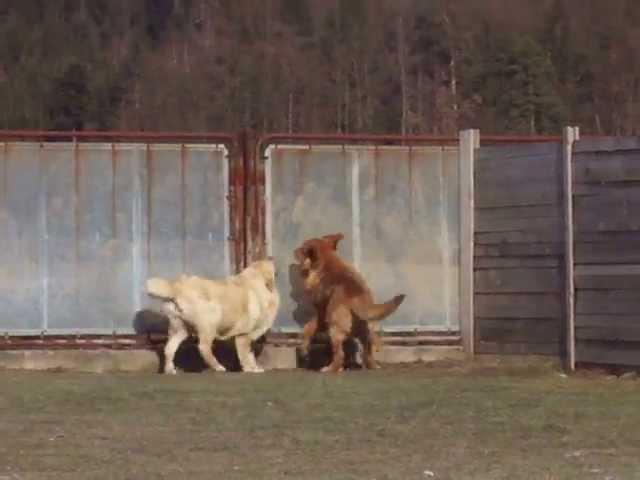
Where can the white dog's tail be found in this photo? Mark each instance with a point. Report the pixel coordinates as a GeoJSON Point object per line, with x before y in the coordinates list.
{"type": "Point", "coordinates": [160, 288]}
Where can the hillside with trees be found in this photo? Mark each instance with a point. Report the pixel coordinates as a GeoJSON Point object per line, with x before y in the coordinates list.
{"type": "Point", "coordinates": [394, 66]}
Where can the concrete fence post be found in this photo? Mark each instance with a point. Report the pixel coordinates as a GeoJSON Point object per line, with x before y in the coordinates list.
{"type": "Point", "coordinates": [570, 135]}
{"type": "Point", "coordinates": [469, 141]}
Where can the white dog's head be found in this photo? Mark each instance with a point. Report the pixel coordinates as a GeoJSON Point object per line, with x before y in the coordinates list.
{"type": "Point", "coordinates": [267, 270]}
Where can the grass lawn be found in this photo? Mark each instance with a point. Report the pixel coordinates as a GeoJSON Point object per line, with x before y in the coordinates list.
{"type": "Point", "coordinates": [451, 421]}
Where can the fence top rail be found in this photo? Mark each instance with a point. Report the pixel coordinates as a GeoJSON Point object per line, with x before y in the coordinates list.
{"type": "Point", "coordinates": [344, 138]}
{"type": "Point", "coordinates": [117, 136]}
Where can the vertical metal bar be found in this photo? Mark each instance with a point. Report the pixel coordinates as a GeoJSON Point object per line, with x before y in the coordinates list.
{"type": "Point", "coordinates": [268, 225]}
{"type": "Point", "coordinates": [136, 233]}
{"type": "Point", "coordinates": [227, 208]}
{"type": "Point", "coordinates": [570, 135]}
{"type": "Point", "coordinates": [469, 140]}
{"type": "Point", "coordinates": [77, 217]}
{"type": "Point", "coordinates": [246, 211]}
{"type": "Point", "coordinates": [149, 163]}
{"type": "Point", "coordinates": [183, 204]}
{"type": "Point", "coordinates": [44, 242]}
{"type": "Point", "coordinates": [355, 208]}
{"type": "Point", "coordinates": [114, 193]}
{"type": "Point", "coordinates": [5, 170]}
{"type": "Point", "coordinates": [444, 239]}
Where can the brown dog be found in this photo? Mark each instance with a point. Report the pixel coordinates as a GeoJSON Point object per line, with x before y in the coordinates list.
{"type": "Point", "coordinates": [309, 283]}
{"type": "Point", "coordinates": [343, 302]}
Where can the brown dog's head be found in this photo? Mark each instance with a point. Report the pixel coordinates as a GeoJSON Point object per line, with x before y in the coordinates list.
{"type": "Point", "coordinates": [312, 251]}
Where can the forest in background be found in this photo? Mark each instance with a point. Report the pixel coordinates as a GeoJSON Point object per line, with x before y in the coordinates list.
{"type": "Point", "coordinates": [347, 66]}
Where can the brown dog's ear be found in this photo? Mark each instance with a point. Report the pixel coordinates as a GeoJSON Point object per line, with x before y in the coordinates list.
{"type": "Point", "coordinates": [333, 240]}
{"type": "Point", "coordinates": [298, 254]}
{"type": "Point", "coordinates": [310, 256]}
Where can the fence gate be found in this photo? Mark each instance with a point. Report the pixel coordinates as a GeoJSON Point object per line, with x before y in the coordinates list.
{"type": "Point", "coordinates": [82, 225]}
{"type": "Point", "coordinates": [398, 209]}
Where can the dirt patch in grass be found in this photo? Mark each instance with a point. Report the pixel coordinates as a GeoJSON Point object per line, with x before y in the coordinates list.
{"type": "Point", "coordinates": [448, 421]}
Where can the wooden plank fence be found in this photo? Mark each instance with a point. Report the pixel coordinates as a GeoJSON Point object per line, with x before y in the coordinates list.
{"type": "Point", "coordinates": [607, 247]}
{"type": "Point", "coordinates": [518, 249]}
{"type": "Point", "coordinates": [556, 250]}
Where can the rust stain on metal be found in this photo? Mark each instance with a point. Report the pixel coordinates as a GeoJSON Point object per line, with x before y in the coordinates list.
{"type": "Point", "coordinates": [376, 161]}
{"type": "Point", "coordinates": [410, 166]}
{"type": "Point", "coordinates": [183, 190]}
{"type": "Point", "coordinates": [149, 160]}
{"type": "Point", "coordinates": [77, 165]}
{"type": "Point", "coordinates": [236, 201]}
{"type": "Point", "coordinates": [5, 173]}
{"type": "Point", "coordinates": [258, 201]}
{"type": "Point", "coordinates": [114, 171]}
{"type": "Point", "coordinates": [302, 169]}
{"type": "Point", "coordinates": [117, 135]}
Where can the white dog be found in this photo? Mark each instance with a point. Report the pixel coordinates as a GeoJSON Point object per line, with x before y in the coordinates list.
{"type": "Point", "coordinates": [242, 307]}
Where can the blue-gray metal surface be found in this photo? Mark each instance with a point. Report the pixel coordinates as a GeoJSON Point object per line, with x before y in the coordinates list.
{"type": "Point", "coordinates": [398, 210]}
{"type": "Point", "coordinates": [83, 225]}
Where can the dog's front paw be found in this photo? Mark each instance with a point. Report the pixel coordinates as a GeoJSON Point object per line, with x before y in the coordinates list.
{"type": "Point", "coordinates": [170, 370]}
{"type": "Point", "coordinates": [256, 369]}
{"type": "Point", "coordinates": [219, 368]}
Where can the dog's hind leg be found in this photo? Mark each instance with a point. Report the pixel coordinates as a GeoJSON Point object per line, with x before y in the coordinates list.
{"type": "Point", "coordinates": [337, 340]}
{"type": "Point", "coordinates": [245, 354]}
{"type": "Point", "coordinates": [205, 344]}
{"type": "Point", "coordinates": [177, 334]}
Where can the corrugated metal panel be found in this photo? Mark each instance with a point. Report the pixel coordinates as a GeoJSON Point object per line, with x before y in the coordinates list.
{"type": "Point", "coordinates": [398, 209]}
{"type": "Point", "coordinates": [83, 225]}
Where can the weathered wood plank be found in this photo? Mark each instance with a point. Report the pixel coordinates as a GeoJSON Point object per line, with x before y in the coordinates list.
{"type": "Point", "coordinates": [515, 262]}
{"type": "Point", "coordinates": [609, 333]}
{"type": "Point", "coordinates": [604, 144]}
{"type": "Point", "coordinates": [498, 170]}
{"type": "Point", "coordinates": [608, 218]}
{"type": "Point", "coordinates": [517, 305]}
{"type": "Point", "coordinates": [627, 190]}
{"type": "Point", "coordinates": [519, 250]}
{"type": "Point", "coordinates": [515, 151]}
{"type": "Point", "coordinates": [520, 280]}
{"type": "Point", "coordinates": [613, 353]}
{"type": "Point", "coordinates": [608, 277]}
{"type": "Point", "coordinates": [606, 237]}
{"type": "Point", "coordinates": [514, 195]}
{"type": "Point", "coordinates": [548, 224]}
{"type": "Point", "coordinates": [605, 321]}
{"type": "Point", "coordinates": [589, 270]}
{"type": "Point", "coordinates": [494, 348]}
{"type": "Point", "coordinates": [614, 302]}
{"type": "Point", "coordinates": [520, 330]}
{"type": "Point", "coordinates": [609, 252]}
{"type": "Point", "coordinates": [535, 211]}
{"type": "Point", "coordinates": [608, 167]}
{"type": "Point", "coordinates": [537, 236]}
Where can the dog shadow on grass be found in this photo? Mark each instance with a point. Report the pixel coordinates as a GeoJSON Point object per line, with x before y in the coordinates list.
{"type": "Point", "coordinates": [188, 359]}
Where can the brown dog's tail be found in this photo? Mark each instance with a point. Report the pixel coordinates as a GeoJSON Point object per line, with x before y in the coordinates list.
{"type": "Point", "coordinates": [377, 312]}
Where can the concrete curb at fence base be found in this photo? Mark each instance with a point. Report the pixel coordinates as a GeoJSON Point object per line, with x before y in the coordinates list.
{"type": "Point", "coordinates": [272, 357]}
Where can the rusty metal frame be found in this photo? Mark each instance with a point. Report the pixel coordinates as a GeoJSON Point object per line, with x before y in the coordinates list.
{"type": "Point", "coordinates": [117, 136]}
{"type": "Point", "coordinates": [247, 210]}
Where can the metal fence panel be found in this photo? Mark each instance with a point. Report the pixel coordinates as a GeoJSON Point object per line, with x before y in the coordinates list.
{"type": "Point", "coordinates": [83, 225]}
{"type": "Point", "coordinates": [398, 209]}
